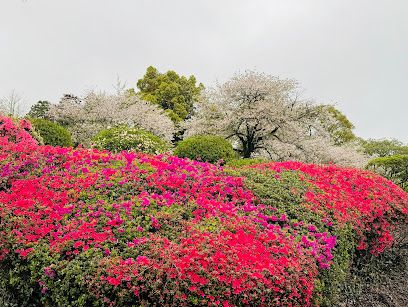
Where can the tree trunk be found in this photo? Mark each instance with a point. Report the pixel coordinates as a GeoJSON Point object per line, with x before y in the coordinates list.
{"type": "Point", "coordinates": [247, 149]}
{"type": "Point", "coordinates": [247, 154]}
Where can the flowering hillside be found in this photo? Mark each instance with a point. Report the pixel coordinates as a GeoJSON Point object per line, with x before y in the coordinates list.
{"type": "Point", "coordinates": [86, 227]}
{"type": "Point", "coordinates": [369, 203]}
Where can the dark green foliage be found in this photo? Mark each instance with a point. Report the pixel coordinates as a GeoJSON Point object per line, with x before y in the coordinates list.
{"type": "Point", "coordinates": [52, 133]}
{"type": "Point", "coordinates": [39, 109]}
{"type": "Point", "coordinates": [130, 138]}
{"type": "Point", "coordinates": [174, 93]}
{"type": "Point", "coordinates": [208, 148]}
{"type": "Point", "coordinates": [393, 167]}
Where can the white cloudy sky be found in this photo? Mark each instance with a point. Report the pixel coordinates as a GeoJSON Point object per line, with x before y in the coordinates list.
{"type": "Point", "coordinates": [350, 52]}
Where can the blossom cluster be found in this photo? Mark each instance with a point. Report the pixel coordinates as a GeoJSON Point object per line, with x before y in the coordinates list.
{"type": "Point", "coordinates": [129, 228]}
{"type": "Point", "coordinates": [371, 204]}
{"type": "Point", "coordinates": [291, 128]}
{"type": "Point", "coordinates": [85, 117]}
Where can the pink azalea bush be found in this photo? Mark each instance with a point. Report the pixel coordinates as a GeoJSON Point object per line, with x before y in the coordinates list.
{"type": "Point", "coordinates": [356, 213]}
{"type": "Point", "coordinates": [373, 205]}
{"type": "Point", "coordinates": [87, 227]}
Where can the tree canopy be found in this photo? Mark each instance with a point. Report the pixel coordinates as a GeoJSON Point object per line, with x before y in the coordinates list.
{"type": "Point", "coordinates": [393, 167]}
{"type": "Point", "coordinates": [39, 109]}
{"type": "Point", "coordinates": [174, 93]}
{"type": "Point", "coordinates": [337, 124]}
{"type": "Point", "coordinates": [85, 117]}
{"type": "Point", "coordinates": [390, 159]}
{"type": "Point", "coordinates": [264, 115]}
{"type": "Point", "coordinates": [384, 147]}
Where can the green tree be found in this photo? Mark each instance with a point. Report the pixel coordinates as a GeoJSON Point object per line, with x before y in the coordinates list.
{"type": "Point", "coordinates": [393, 167]}
{"type": "Point", "coordinates": [39, 109]}
{"type": "Point", "coordinates": [337, 124]}
{"type": "Point", "coordinates": [384, 147]}
{"type": "Point", "coordinates": [265, 116]}
{"type": "Point", "coordinates": [390, 159]}
{"type": "Point", "coordinates": [174, 93]}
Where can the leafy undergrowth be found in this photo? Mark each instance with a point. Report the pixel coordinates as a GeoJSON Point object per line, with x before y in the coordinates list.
{"type": "Point", "coordinates": [81, 227]}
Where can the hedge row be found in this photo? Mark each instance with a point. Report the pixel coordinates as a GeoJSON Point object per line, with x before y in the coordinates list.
{"type": "Point", "coordinates": [83, 227]}
{"type": "Point", "coordinates": [360, 209]}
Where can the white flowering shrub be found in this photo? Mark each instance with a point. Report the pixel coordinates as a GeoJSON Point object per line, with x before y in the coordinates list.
{"type": "Point", "coordinates": [127, 138]}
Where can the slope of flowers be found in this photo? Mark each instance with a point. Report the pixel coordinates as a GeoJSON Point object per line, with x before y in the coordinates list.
{"type": "Point", "coordinates": [88, 226]}
{"type": "Point", "coordinates": [373, 205]}
{"type": "Point", "coordinates": [82, 227]}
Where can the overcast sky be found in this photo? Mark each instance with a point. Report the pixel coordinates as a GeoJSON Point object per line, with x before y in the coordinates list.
{"type": "Point", "coordinates": [348, 52]}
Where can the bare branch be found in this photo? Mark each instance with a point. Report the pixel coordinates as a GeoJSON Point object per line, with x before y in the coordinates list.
{"type": "Point", "coordinates": [11, 104]}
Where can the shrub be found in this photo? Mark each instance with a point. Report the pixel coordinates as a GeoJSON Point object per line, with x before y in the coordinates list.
{"type": "Point", "coordinates": [52, 133]}
{"type": "Point", "coordinates": [283, 193]}
{"type": "Point", "coordinates": [16, 131]}
{"type": "Point", "coordinates": [367, 201]}
{"type": "Point", "coordinates": [208, 148]}
{"type": "Point", "coordinates": [83, 227]}
{"type": "Point", "coordinates": [358, 208]}
{"type": "Point", "coordinates": [129, 138]}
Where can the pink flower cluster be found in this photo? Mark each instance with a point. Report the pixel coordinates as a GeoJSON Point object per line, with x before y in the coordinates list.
{"type": "Point", "coordinates": [162, 230]}
{"type": "Point", "coordinates": [371, 204]}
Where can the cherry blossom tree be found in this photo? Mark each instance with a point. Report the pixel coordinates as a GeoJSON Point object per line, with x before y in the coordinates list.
{"type": "Point", "coordinates": [86, 116]}
{"type": "Point", "coordinates": [264, 115]}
